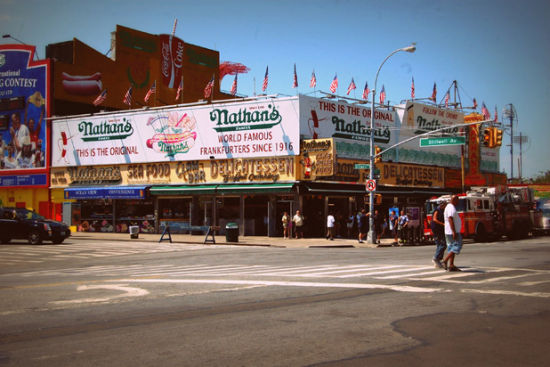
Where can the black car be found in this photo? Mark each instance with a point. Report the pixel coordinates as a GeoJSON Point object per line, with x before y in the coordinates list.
{"type": "Point", "coordinates": [21, 223]}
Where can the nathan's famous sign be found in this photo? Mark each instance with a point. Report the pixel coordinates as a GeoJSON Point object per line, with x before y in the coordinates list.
{"type": "Point", "coordinates": [348, 124]}
{"type": "Point", "coordinates": [233, 130]}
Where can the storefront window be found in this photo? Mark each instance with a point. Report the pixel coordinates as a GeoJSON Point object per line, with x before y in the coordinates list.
{"type": "Point", "coordinates": [97, 215]}
{"type": "Point", "coordinates": [135, 213]}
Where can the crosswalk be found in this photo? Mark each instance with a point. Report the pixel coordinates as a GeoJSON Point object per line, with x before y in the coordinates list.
{"type": "Point", "coordinates": [14, 254]}
{"type": "Point", "coordinates": [343, 272]}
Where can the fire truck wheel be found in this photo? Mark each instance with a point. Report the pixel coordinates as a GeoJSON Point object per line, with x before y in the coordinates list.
{"type": "Point", "coordinates": [481, 233]}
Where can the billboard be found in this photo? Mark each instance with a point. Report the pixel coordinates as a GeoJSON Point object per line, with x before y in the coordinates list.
{"type": "Point", "coordinates": [417, 118]}
{"type": "Point", "coordinates": [348, 124]}
{"type": "Point", "coordinates": [264, 128]}
{"type": "Point", "coordinates": [24, 106]}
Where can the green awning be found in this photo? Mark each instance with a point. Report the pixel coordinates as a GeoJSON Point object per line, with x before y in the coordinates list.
{"type": "Point", "coordinates": [254, 188]}
{"type": "Point", "coordinates": [221, 189]}
{"type": "Point", "coordinates": [183, 190]}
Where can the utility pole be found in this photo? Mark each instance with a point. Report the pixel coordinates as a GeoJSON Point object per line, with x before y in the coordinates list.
{"type": "Point", "coordinates": [509, 112]}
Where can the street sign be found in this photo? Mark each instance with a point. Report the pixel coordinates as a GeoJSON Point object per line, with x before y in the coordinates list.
{"type": "Point", "coordinates": [361, 166]}
{"type": "Point", "coordinates": [371, 185]}
{"type": "Point", "coordinates": [447, 140]}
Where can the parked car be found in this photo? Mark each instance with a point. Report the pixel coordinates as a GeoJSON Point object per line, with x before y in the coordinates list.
{"type": "Point", "coordinates": [21, 223]}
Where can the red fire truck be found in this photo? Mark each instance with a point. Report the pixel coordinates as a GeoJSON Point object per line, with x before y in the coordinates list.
{"type": "Point", "coordinates": [490, 212]}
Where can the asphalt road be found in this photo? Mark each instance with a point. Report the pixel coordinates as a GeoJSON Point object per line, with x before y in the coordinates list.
{"type": "Point", "coordinates": [121, 303]}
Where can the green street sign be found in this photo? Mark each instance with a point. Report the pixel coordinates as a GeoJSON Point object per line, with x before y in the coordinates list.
{"type": "Point", "coordinates": [361, 166]}
{"type": "Point", "coordinates": [448, 140]}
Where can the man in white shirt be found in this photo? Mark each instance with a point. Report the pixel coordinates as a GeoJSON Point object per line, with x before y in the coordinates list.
{"type": "Point", "coordinates": [453, 225]}
{"type": "Point", "coordinates": [330, 226]}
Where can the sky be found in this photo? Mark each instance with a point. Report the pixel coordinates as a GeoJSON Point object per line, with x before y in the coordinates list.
{"type": "Point", "coordinates": [498, 51]}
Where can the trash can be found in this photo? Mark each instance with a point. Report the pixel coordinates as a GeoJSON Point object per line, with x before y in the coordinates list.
{"type": "Point", "coordinates": [134, 231]}
{"type": "Point", "coordinates": [232, 232]}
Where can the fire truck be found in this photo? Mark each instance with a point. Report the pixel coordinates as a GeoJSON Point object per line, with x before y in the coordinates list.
{"type": "Point", "coordinates": [488, 213]}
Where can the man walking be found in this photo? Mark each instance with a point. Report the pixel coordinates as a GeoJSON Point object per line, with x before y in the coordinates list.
{"type": "Point", "coordinates": [330, 226]}
{"type": "Point", "coordinates": [298, 221]}
{"type": "Point", "coordinates": [453, 225]}
{"type": "Point", "coordinates": [438, 231]}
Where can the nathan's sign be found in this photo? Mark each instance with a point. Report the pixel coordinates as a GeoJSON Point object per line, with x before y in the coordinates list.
{"type": "Point", "coordinates": [348, 124]}
{"type": "Point", "coordinates": [396, 174]}
{"type": "Point", "coordinates": [317, 158]}
{"type": "Point", "coordinates": [265, 128]}
{"type": "Point", "coordinates": [244, 119]}
{"type": "Point", "coordinates": [251, 170]}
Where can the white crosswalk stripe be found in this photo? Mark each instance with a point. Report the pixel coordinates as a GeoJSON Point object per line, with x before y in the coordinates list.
{"type": "Point", "coordinates": [521, 277]}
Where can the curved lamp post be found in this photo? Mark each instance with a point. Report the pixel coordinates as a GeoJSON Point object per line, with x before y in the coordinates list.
{"type": "Point", "coordinates": [370, 237]}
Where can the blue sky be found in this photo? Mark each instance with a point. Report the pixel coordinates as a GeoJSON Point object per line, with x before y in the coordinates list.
{"type": "Point", "coordinates": [497, 50]}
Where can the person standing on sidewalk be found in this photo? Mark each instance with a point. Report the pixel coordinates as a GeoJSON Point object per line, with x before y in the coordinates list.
{"type": "Point", "coordinates": [298, 221]}
{"type": "Point", "coordinates": [285, 221]}
{"type": "Point", "coordinates": [453, 225]}
{"type": "Point", "coordinates": [402, 226]}
{"type": "Point", "coordinates": [330, 226]}
{"type": "Point", "coordinates": [438, 229]}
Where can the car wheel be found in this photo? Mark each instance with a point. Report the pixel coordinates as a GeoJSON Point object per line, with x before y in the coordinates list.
{"type": "Point", "coordinates": [34, 238]}
{"type": "Point", "coordinates": [481, 233]}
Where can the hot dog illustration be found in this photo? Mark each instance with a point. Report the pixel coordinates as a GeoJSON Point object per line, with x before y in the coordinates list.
{"type": "Point", "coordinates": [82, 85]}
{"type": "Point", "coordinates": [170, 139]}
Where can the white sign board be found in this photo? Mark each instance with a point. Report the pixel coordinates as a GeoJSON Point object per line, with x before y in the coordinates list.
{"type": "Point", "coordinates": [348, 124]}
{"type": "Point", "coordinates": [263, 128]}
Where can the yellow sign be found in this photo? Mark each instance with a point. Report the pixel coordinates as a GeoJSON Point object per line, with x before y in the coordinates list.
{"type": "Point", "coordinates": [317, 158]}
{"type": "Point", "coordinates": [189, 172]}
{"type": "Point", "coordinates": [411, 175]}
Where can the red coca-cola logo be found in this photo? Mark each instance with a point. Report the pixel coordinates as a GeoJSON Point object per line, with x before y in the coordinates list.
{"type": "Point", "coordinates": [171, 49]}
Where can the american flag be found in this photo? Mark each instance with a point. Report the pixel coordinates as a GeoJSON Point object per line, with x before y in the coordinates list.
{"type": "Point", "coordinates": [128, 97]}
{"type": "Point", "coordinates": [266, 79]}
{"type": "Point", "coordinates": [180, 89]}
{"type": "Point", "coordinates": [434, 93]}
{"type": "Point", "coordinates": [313, 81]}
{"type": "Point", "coordinates": [234, 86]}
{"type": "Point", "coordinates": [295, 82]}
{"type": "Point", "coordinates": [351, 86]}
{"type": "Point", "coordinates": [496, 114]}
{"type": "Point", "coordinates": [485, 112]}
{"type": "Point", "coordinates": [382, 94]}
{"type": "Point", "coordinates": [334, 84]}
{"type": "Point", "coordinates": [447, 97]}
{"type": "Point", "coordinates": [412, 89]}
{"type": "Point", "coordinates": [366, 91]}
{"type": "Point", "coordinates": [150, 92]}
{"type": "Point", "coordinates": [475, 104]}
{"type": "Point", "coordinates": [208, 88]}
{"type": "Point", "coordinates": [101, 98]}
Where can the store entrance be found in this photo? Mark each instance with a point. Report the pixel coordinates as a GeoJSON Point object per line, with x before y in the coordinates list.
{"type": "Point", "coordinates": [314, 216]}
{"type": "Point", "coordinates": [256, 215]}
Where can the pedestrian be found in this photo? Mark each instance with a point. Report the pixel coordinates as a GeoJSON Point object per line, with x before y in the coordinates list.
{"type": "Point", "coordinates": [438, 230]}
{"type": "Point", "coordinates": [350, 223]}
{"type": "Point", "coordinates": [378, 220]}
{"type": "Point", "coordinates": [330, 226]}
{"type": "Point", "coordinates": [363, 225]}
{"type": "Point", "coordinates": [298, 221]}
{"type": "Point", "coordinates": [393, 223]}
{"type": "Point", "coordinates": [453, 225]}
{"type": "Point", "coordinates": [285, 220]}
{"type": "Point", "coordinates": [402, 226]}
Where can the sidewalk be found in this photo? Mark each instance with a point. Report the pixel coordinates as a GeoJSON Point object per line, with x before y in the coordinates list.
{"type": "Point", "coordinates": [243, 240]}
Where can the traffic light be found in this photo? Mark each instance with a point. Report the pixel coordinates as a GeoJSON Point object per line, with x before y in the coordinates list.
{"type": "Point", "coordinates": [498, 137]}
{"type": "Point", "coordinates": [377, 158]}
{"type": "Point", "coordinates": [487, 137]}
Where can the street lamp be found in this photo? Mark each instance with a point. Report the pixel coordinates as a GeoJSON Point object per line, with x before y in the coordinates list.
{"type": "Point", "coordinates": [21, 42]}
{"type": "Point", "coordinates": [370, 237]}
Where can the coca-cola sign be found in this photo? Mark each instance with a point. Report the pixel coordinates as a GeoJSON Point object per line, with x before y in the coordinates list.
{"type": "Point", "coordinates": [171, 56]}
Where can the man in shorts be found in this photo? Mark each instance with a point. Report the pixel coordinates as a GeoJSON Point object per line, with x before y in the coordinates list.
{"type": "Point", "coordinates": [453, 225]}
